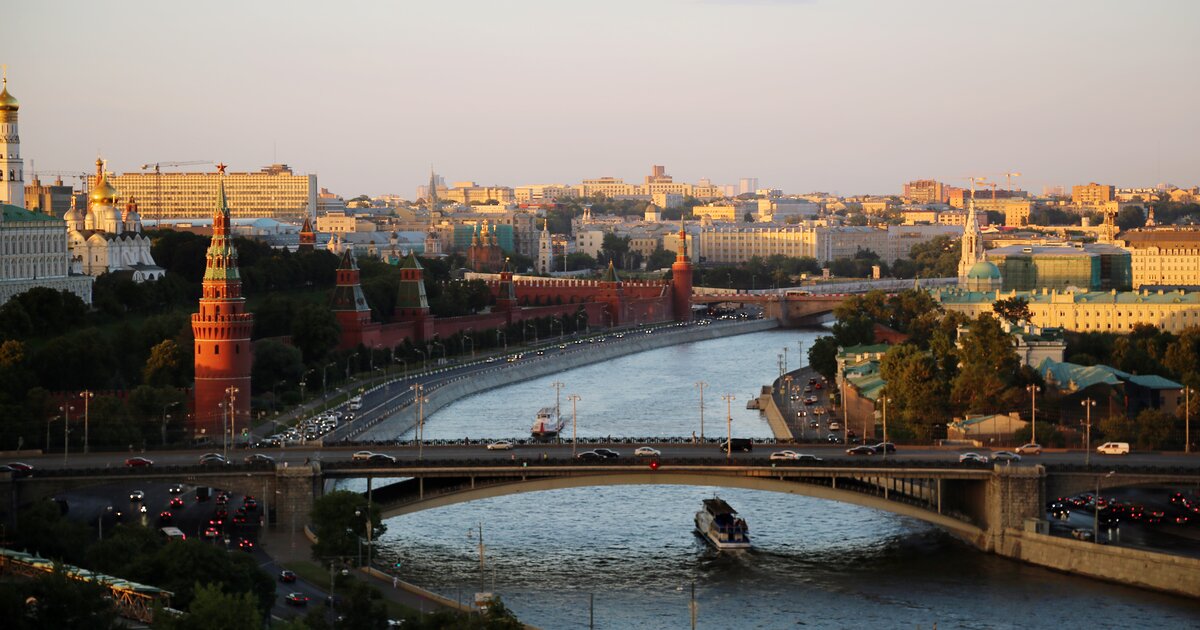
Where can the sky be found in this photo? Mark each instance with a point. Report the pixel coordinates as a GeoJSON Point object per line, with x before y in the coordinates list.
{"type": "Point", "coordinates": [842, 96]}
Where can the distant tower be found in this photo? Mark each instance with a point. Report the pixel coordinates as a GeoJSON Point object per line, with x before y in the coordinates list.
{"type": "Point", "coordinates": [308, 238]}
{"type": "Point", "coordinates": [681, 280]}
{"type": "Point", "coordinates": [222, 328]}
{"type": "Point", "coordinates": [12, 169]}
{"type": "Point", "coordinates": [545, 262]}
{"type": "Point", "coordinates": [972, 241]}
{"type": "Point", "coordinates": [411, 303]}
{"type": "Point", "coordinates": [433, 198]}
{"type": "Point", "coordinates": [1150, 218]}
{"type": "Point", "coordinates": [506, 296]}
{"type": "Point", "coordinates": [349, 305]}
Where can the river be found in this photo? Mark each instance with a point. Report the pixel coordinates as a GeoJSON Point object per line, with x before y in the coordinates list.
{"type": "Point", "coordinates": [630, 551]}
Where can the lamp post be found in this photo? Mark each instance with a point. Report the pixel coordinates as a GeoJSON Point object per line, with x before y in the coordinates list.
{"type": "Point", "coordinates": [100, 521]}
{"type": "Point", "coordinates": [574, 398]}
{"type": "Point", "coordinates": [405, 363]}
{"type": "Point", "coordinates": [1187, 419]}
{"type": "Point", "coordinates": [785, 361]}
{"type": "Point", "coordinates": [349, 359]}
{"type": "Point", "coordinates": [885, 449]}
{"type": "Point", "coordinates": [438, 344]}
{"type": "Point", "coordinates": [553, 321]}
{"type": "Point", "coordinates": [557, 397]}
{"type": "Point", "coordinates": [165, 417]}
{"type": "Point", "coordinates": [66, 409]}
{"type": "Point", "coordinates": [420, 400]}
{"type": "Point", "coordinates": [500, 336]}
{"type": "Point", "coordinates": [1088, 403]}
{"type": "Point", "coordinates": [1096, 508]}
{"type": "Point", "coordinates": [578, 316]}
{"type": "Point", "coordinates": [1033, 392]}
{"type": "Point", "coordinates": [367, 525]}
{"type": "Point", "coordinates": [701, 385]}
{"type": "Point", "coordinates": [86, 395]}
{"type": "Point", "coordinates": [325, 380]}
{"type": "Point", "coordinates": [231, 426]}
{"type": "Point", "coordinates": [274, 395]}
{"type": "Point", "coordinates": [728, 398]}
{"type": "Point", "coordinates": [46, 447]}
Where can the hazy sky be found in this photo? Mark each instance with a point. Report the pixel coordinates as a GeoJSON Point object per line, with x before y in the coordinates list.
{"type": "Point", "coordinates": [848, 96]}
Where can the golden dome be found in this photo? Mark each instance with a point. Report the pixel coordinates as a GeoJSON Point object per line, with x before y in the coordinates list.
{"type": "Point", "coordinates": [7, 102]}
{"type": "Point", "coordinates": [103, 192]}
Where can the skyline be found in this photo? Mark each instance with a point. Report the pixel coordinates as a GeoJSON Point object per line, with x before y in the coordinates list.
{"type": "Point", "coordinates": [369, 97]}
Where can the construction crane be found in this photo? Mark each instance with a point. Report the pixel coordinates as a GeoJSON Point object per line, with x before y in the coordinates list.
{"type": "Point", "coordinates": [158, 165]}
{"type": "Point", "coordinates": [1008, 179]}
{"type": "Point", "coordinates": [157, 211]}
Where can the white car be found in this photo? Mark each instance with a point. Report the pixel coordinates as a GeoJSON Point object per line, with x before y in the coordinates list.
{"type": "Point", "coordinates": [972, 458]}
{"type": "Point", "coordinates": [785, 455]}
{"type": "Point", "coordinates": [1029, 449]}
{"type": "Point", "coordinates": [361, 456]}
{"type": "Point", "coordinates": [1006, 456]}
{"type": "Point", "coordinates": [646, 451]}
{"type": "Point", "coordinates": [500, 446]}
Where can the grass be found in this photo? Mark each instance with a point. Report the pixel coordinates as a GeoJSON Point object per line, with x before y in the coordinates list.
{"type": "Point", "coordinates": [319, 577]}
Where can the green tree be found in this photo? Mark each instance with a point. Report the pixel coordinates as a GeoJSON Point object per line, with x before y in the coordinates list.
{"type": "Point", "coordinates": [1013, 309]}
{"type": "Point", "coordinates": [853, 331]}
{"type": "Point", "coordinates": [165, 365]}
{"type": "Point", "coordinates": [338, 521]}
{"type": "Point", "coordinates": [212, 608]}
{"type": "Point", "coordinates": [1130, 217]}
{"type": "Point", "coordinates": [614, 248]}
{"type": "Point", "coordinates": [989, 363]}
{"type": "Point", "coordinates": [42, 529]}
{"type": "Point", "coordinates": [315, 332]}
{"type": "Point", "coordinates": [54, 600]}
{"type": "Point", "coordinates": [822, 356]}
{"type": "Point", "coordinates": [274, 363]}
{"type": "Point", "coordinates": [1154, 429]}
{"type": "Point", "coordinates": [917, 391]}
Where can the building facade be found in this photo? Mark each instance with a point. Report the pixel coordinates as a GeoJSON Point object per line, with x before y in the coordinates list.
{"type": "Point", "coordinates": [1163, 257]}
{"type": "Point", "coordinates": [1093, 195]}
{"type": "Point", "coordinates": [274, 192]}
{"type": "Point", "coordinates": [103, 239]}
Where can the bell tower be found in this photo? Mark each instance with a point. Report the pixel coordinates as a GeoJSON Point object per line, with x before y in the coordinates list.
{"type": "Point", "coordinates": [681, 280]}
{"type": "Point", "coordinates": [12, 169]}
{"type": "Point", "coordinates": [224, 356]}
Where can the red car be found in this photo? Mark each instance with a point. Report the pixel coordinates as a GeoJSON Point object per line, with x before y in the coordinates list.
{"type": "Point", "coordinates": [165, 517]}
{"type": "Point", "coordinates": [176, 502]}
{"type": "Point", "coordinates": [246, 545]}
{"type": "Point", "coordinates": [296, 599]}
{"type": "Point", "coordinates": [135, 462]}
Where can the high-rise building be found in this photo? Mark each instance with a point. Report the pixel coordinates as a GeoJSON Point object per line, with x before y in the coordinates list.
{"type": "Point", "coordinates": [12, 168]}
{"type": "Point", "coordinates": [1092, 194]}
{"type": "Point", "coordinates": [924, 191]}
{"type": "Point", "coordinates": [747, 185]}
{"type": "Point", "coordinates": [223, 353]}
{"type": "Point", "coordinates": [274, 192]}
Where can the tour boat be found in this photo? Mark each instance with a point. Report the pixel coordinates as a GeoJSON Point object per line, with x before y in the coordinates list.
{"type": "Point", "coordinates": [719, 524]}
{"type": "Point", "coordinates": [547, 424]}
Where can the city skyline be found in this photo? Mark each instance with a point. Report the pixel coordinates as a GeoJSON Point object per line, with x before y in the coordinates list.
{"type": "Point", "coordinates": [848, 98]}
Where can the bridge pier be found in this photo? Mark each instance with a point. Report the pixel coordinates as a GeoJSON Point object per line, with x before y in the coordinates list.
{"type": "Point", "coordinates": [296, 487]}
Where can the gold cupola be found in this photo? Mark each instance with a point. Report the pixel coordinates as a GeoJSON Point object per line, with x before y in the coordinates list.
{"type": "Point", "coordinates": [102, 192]}
{"type": "Point", "coordinates": [8, 103]}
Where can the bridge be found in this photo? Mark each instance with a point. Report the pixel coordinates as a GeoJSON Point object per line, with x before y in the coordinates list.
{"type": "Point", "coordinates": [978, 504]}
{"type": "Point", "coordinates": [805, 306]}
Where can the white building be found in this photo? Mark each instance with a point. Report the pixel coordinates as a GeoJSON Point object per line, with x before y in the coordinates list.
{"type": "Point", "coordinates": [104, 240]}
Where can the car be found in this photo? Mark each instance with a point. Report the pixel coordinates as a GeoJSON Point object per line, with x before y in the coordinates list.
{"type": "Point", "coordinates": [818, 386]}
{"type": "Point", "coordinates": [287, 577]}
{"type": "Point", "coordinates": [361, 456]}
{"type": "Point", "coordinates": [211, 532]}
{"type": "Point", "coordinates": [805, 457]}
{"type": "Point", "coordinates": [1082, 534]}
{"type": "Point", "coordinates": [137, 496]}
{"type": "Point", "coordinates": [646, 451]}
{"type": "Point", "coordinates": [382, 458]}
{"type": "Point", "coordinates": [885, 447]}
{"type": "Point", "coordinates": [784, 455]}
{"type": "Point", "coordinates": [833, 438]}
{"type": "Point", "coordinates": [137, 462]}
{"type": "Point", "coordinates": [213, 458]}
{"type": "Point", "coordinates": [590, 456]}
{"type": "Point", "coordinates": [176, 502]}
{"type": "Point", "coordinates": [835, 426]}
{"type": "Point", "coordinates": [814, 425]}
{"type": "Point", "coordinates": [259, 458]}
{"type": "Point", "coordinates": [607, 453]}
{"type": "Point", "coordinates": [801, 413]}
{"type": "Point", "coordinates": [20, 469]}
{"type": "Point", "coordinates": [165, 517]}
{"type": "Point", "coordinates": [223, 498]}
{"type": "Point", "coordinates": [502, 445]}
{"type": "Point", "coordinates": [1029, 449]}
{"type": "Point", "coordinates": [250, 503]}
{"type": "Point", "coordinates": [1006, 456]}
{"type": "Point", "coordinates": [296, 599]}
{"type": "Point", "coordinates": [861, 450]}
{"type": "Point", "coordinates": [245, 544]}
{"type": "Point", "coordinates": [1113, 448]}
{"type": "Point", "coordinates": [972, 458]}
{"type": "Point", "coordinates": [175, 489]}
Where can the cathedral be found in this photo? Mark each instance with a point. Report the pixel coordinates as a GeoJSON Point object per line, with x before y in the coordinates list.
{"type": "Point", "coordinates": [104, 239]}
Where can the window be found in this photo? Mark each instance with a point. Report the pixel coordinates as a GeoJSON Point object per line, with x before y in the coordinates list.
{"type": "Point", "coordinates": [216, 349]}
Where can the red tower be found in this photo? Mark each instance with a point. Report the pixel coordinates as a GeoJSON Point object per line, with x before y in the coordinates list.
{"type": "Point", "coordinates": [681, 280]}
{"type": "Point", "coordinates": [222, 329]}
{"type": "Point", "coordinates": [308, 238]}
{"type": "Point", "coordinates": [349, 304]}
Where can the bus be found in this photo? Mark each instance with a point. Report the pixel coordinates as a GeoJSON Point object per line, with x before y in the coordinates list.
{"type": "Point", "coordinates": [173, 533]}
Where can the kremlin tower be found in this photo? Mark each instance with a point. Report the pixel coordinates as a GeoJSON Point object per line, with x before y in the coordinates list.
{"type": "Point", "coordinates": [222, 329]}
{"type": "Point", "coordinates": [681, 280]}
{"type": "Point", "coordinates": [12, 169]}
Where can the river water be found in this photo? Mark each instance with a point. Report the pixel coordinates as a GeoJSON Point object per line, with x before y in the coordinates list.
{"type": "Point", "coordinates": [629, 551]}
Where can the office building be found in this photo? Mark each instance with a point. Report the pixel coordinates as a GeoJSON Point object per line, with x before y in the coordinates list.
{"type": "Point", "coordinates": [274, 192]}
{"type": "Point", "coordinates": [1092, 195]}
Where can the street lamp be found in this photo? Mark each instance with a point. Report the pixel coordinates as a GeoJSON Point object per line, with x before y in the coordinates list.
{"type": "Point", "coordinates": [86, 396]}
{"type": "Point", "coordinates": [1033, 392]}
{"type": "Point", "coordinates": [422, 357]}
{"type": "Point", "coordinates": [100, 521]}
{"type": "Point", "coordinates": [401, 360]}
{"type": "Point", "coordinates": [274, 388]}
{"type": "Point", "coordinates": [885, 448]}
{"type": "Point", "coordinates": [1096, 508]}
{"type": "Point", "coordinates": [66, 409]}
{"type": "Point", "coordinates": [165, 417]}
{"type": "Point", "coordinates": [1187, 419]}
{"type": "Point", "coordinates": [231, 424]}
{"type": "Point", "coordinates": [1088, 403]}
{"type": "Point", "coordinates": [367, 524]}
{"type": "Point", "coordinates": [574, 398]}
{"type": "Point", "coordinates": [553, 321]}
{"type": "Point", "coordinates": [466, 338]}
{"type": "Point", "coordinates": [325, 380]}
{"type": "Point", "coordinates": [500, 336]}
{"type": "Point", "coordinates": [438, 344]}
{"type": "Point", "coordinates": [701, 385]}
{"type": "Point", "coordinates": [728, 398]}
{"type": "Point", "coordinates": [46, 447]}
{"type": "Point", "coordinates": [349, 359]}
{"type": "Point", "coordinates": [419, 399]}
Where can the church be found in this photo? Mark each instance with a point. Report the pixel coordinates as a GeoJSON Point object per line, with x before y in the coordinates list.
{"type": "Point", "coordinates": [104, 239]}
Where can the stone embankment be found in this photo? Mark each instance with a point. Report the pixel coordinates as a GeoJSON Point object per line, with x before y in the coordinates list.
{"type": "Point", "coordinates": [533, 366]}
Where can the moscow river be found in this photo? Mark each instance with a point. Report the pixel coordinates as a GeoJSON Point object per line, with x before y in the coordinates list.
{"type": "Point", "coordinates": [630, 552]}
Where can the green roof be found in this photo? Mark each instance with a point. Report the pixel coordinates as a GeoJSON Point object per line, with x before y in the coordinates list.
{"type": "Point", "coordinates": [869, 386]}
{"type": "Point", "coordinates": [959, 296]}
{"type": "Point", "coordinates": [1154, 381]}
{"type": "Point", "coordinates": [17, 214]}
{"type": "Point", "coordinates": [878, 348]}
{"type": "Point", "coordinates": [983, 270]}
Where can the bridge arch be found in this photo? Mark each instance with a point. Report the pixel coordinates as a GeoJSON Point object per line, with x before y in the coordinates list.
{"type": "Point", "coordinates": [962, 529]}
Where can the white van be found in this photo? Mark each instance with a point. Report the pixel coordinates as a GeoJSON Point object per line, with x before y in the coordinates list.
{"type": "Point", "coordinates": [1113, 448]}
{"type": "Point", "coordinates": [356, 403]}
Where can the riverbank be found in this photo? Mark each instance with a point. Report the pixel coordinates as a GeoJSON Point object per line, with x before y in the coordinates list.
{"type": "Point", "coordinates": [537, 366]}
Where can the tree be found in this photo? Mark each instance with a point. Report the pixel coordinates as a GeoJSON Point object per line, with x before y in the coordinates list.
{"type": "Point", "coordinates": [916, 390]}
{"type": "Point", "coordinates": [274, 363]}
{"type": "Point", "coordinates": [165, 365]}
{"type": "Point", "coordinates": [822, 356]}
{"type": "Point", "coordinates": [54, 600]}
{"type": "Point", "coordinates": [1130, 217]}
{"type": "Point", "coordinates": [338, 521]}
{"type": "Point", "coordinates": [315, 332]}
{"type": "Point", "coordinates": [989, 364]}
{"type": "Point", "coordinates": [1154, 429]}
{"type": "Point", "coordinates": [1013, 309]}
{"type": "Point", "coordinates": [213, 609]}
{"type": "Point", "coordinates": [854, 331]}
